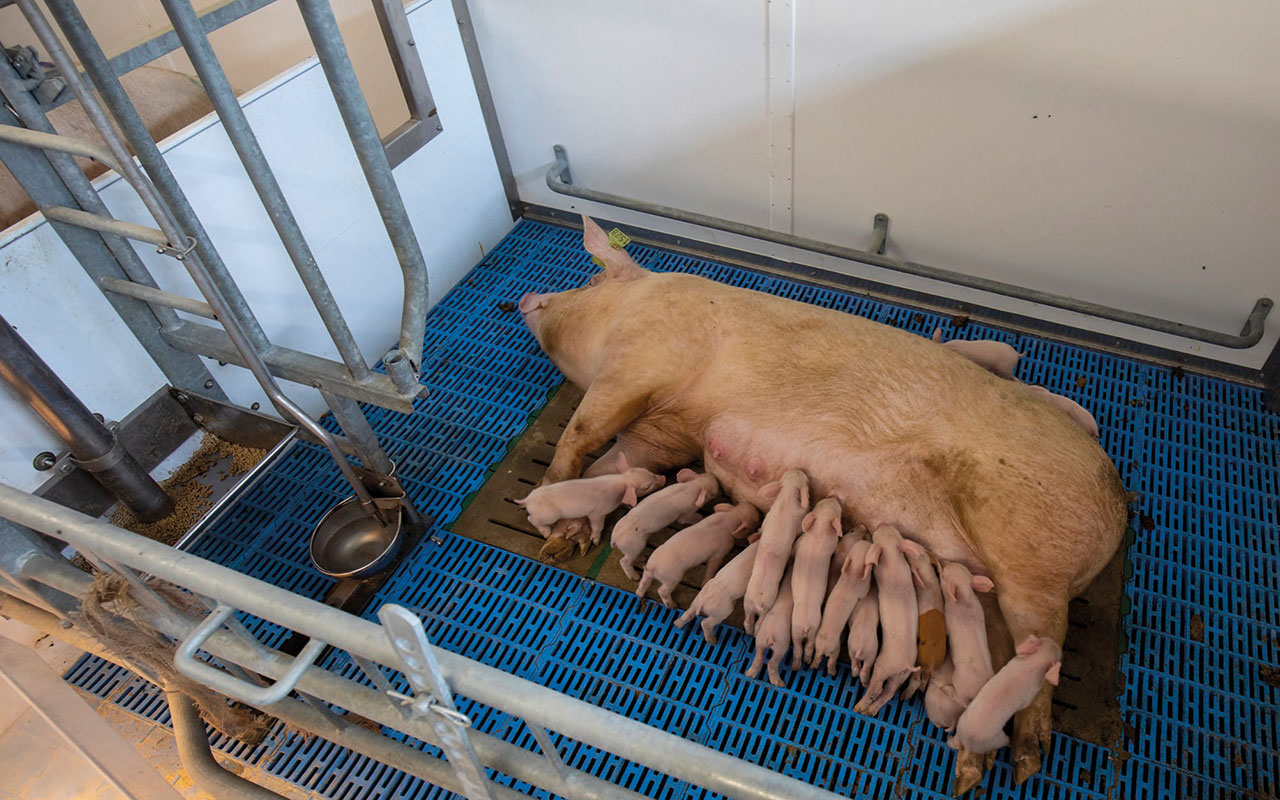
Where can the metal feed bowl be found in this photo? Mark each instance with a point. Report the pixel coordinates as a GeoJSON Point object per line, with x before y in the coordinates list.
{"type": "Point", "coordinates": [349, 543]}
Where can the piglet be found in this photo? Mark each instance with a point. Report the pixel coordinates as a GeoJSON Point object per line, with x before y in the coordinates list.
{"type": "Point", "coordinates": [592, 498]}
{"type": "Point", "coordinates": [676, 503]}
{"type": "Point", "coordinates": [708, 541]}
{"type": "Point", "coordinates": [864, 639]}
{"type": "Point", "coordinates": [990, 354]}
{"type": "Point", "coordinates": [790, 502]}
{"type": "Point", "coordinates": [966, 629]}
{"type": "Point", "coordinates": [716, 598]}
{"type": "Point", "coordinates": [931, 632]}
{"type": "Point", "coordinates": [981, 726]}
{"type": "Point", "coordinates": [940, 703]}
{"type": "Point", "coordinates": [774, 632]}
{"type": "Point", "coordinates": [1069, 407]}
{"type": "Point", "coordinates": [851, 586]}
{"type": "Point", "coordinates": [820, 533]}
{"type": "Point", "coordinates": [898, 619]}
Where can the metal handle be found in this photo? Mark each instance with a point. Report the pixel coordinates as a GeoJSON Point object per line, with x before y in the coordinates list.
{"type": "Point", "coordinates": [560, 182]}
{"type": "Point", "coordinates": [227, 683]}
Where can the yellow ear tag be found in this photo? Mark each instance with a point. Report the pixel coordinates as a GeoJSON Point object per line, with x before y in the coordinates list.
{"type": "Point", "coordinates": [617, 240]}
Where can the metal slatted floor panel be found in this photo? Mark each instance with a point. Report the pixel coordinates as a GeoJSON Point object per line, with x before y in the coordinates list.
{"type": "Point", "coordinates": [1202, 629]}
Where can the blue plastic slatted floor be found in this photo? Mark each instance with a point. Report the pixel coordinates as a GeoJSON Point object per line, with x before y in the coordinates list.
{"type": "Point", "coordinates": [1203, 453]}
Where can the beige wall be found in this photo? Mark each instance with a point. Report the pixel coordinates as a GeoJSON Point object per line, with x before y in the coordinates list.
{"type": "Point", "coordinates": [253, 49]}
{"type": "Point", "coordinates": [1122, 151]}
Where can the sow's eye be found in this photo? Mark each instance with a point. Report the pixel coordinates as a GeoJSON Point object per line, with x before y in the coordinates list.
{"type": "Point", "coordinates": [597, 278]}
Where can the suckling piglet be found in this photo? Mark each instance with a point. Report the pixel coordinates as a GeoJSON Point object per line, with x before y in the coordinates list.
{"type": "Point", "coordinates": [981, 726]}
{"type": "Point", "coordinates": [851, 586]}
{"type": "Point", "coordinates": [898, 619]}
{"type": "Point", "coordinates": [708, 541]}
{"type": "Point", "coordinates": [592, 498]}
{"type": "Point", "coordinates": [1071, 408]}
{"type": "Point", "coordinates": [940, 703]}
{"type": "Point", "coordinates": [931, 632]}
{"type": "Point", "coordinates": [789, 496]}
{"type": "Point", "coordinates": [820, 533]}
{"type": "Point", "coordinates": [773, 633]}
{"type": "Point", "coordinates": [966, 629]}
{"type": "Point", "coordinates": [864, 638]}
{"type": "Point", "coordinates": [716, 598]}
{"type": "Point", "coordinates": [676, 503]}
{"type": "Point", "coordinates": [990, 354]}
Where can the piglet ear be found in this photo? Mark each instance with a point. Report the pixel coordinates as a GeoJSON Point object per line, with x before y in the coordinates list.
{"type": "Point", "coordinates": [623, 466]}
{"type": "Point", "coordinates": [770, 491]}
{"type": "Point", "coordinates": [703, 497]}
{"type": "Point", "coordinates": [753, 538]}
{"type": "Point", "coordinates": [804, 495]}
{"type": "Point", "coordinates": [937, 334]}
{"type": "Point", "coordinates": [1029, 646]}
{"type": "Point", "coordinates": [807, 523]}
{"type": "Point", "coordinates": [720, 508]}
{"type": "Point", "coordinates": [629, 496]}
{"type": "Point", "coordinates": [950, 589]}
{"type": "Point", "coordinates": [911, 548]}
{"type": "Point", "coordinates": [685, 475]}
{"type": "Point", "coordinates": [1052, 675]}
{"type": "Point", "coordinates": [981, 583]}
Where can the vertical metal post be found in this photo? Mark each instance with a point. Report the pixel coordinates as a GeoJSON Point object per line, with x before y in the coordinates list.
{"type": "Point", "coordinates": [358, 431]}
{"type": "Point", "coordinates": [317, 15]}
{"type": "Point", "coordinates": [187, 25]}
{"type": "Point", "coordinates": [471, 47]}
{"type": "Point", "coordinates": [174, 213]}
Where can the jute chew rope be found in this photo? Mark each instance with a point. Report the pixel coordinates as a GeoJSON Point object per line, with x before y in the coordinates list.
{"type": "Point", "coordinates": [109, 610]}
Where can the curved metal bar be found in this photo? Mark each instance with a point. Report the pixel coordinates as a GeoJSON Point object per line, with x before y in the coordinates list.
{"type": "Point", "coordinates": [59, 144]}
{"type": "Point", "coordinates": [322, 27]}
{"type": "Point", "coordinates": [187, 25]}
{"type": "Point", "coordinates": [560, 182]}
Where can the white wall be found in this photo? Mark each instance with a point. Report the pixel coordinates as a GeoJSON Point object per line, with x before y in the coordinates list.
{"type": "Point", "coordinates": [451, 188]}
{"type": "Point", "coordinates": [1121, 151]}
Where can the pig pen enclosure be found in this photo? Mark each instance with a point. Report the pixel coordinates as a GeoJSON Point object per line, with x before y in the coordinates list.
{"type": "Point", "coordinates": [563, 682]}
{"type": "Point", "coordinates": [1197, 689]}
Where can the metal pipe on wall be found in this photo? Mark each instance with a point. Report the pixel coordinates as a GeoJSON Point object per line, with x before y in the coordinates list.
{"type": "Point", "coordinates": [187, 25]}
{"type": "Point", "coordinates": [317, 15]}
{"type": "Point", "coordinates": [560, 181]}
{"type": "Point", "coordinates": [93, 447]}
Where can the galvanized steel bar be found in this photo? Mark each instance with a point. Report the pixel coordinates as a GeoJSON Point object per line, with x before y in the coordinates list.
{"type": "Point", "coordinates": [317, 15]}
{"type": "Point", "coordinates": [466, 29]}
{"type": "Point", "coordinates": [296, 366]}
{"type": "Point", "coordinates": [187, 25]}
{"type": "Point", "coordinates": [358, 431]}
{"type": "Point", "coordinates": [197, 758]}
{"type": "Point", "coordinates": [626, 738]}
{"type": "Point", "coordinates": [405, 140]}
{"type": "Point", "coordinates": [59, 144]}
{"type": "Point", "coordinates": [158, 189]}
{"type": "Point", "coordinates": [157, 297]}
{"type": "Point", "coordinates": [559, 181]}
{"type": "Point", "coordinates": [212, 18]}
{"type": "Point", "coordinates": [101, 224]}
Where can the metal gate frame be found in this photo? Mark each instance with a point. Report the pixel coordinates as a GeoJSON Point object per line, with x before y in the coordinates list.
{"type": "Point", "coordinates": [46, 590]}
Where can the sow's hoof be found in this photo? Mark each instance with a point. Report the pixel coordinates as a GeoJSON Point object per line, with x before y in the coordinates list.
{"type": "Point", "coordinates": [558, 550]}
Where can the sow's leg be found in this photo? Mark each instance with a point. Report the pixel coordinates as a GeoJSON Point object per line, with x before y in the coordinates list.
{"type": "Point", "coordinates": [1033, 613]}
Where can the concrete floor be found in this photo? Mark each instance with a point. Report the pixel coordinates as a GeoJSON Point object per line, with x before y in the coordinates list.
{"type": "Point", "coordinates": [37, 762]}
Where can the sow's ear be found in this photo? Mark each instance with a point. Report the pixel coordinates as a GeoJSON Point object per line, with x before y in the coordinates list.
{"type": "Point", "coordinates": [617, 264]}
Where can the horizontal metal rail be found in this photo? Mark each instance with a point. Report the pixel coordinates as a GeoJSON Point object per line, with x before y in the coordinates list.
{"type": "Point", "coordinates": [560, 181]}
{"type": "Point", "coordinates": [297, 366]}
{"type": "Point", "coordinates": [158, 297]}
{"type": "Point", "coordinates": [535, 704]}
{"type": "Point", "coordinates": [59, 144]}
{"type": "Point", "coordinates": [101, 224]}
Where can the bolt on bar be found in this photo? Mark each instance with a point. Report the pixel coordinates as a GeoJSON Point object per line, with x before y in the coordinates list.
{"type": "Point", "coordinates": [559, 181]}
{"type": "Point", "coordinates": [317, 15]}
{"type": "Point", "coordinates": [187, 25]}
